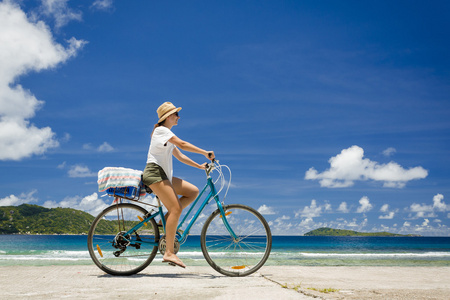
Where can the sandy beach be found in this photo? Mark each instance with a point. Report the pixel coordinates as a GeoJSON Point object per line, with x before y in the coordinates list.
{"type": "Point", "coordinates": [271, 282]}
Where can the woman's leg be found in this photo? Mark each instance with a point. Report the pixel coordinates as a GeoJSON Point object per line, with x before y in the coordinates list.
{"type": "Point", "coordinates": [166, 193]}
{"type": "Point", "coordinates": [186, 190]}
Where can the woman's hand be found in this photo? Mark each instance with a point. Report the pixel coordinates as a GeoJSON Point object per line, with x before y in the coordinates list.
{"type": "Point", "coordinates": [203, 166]}
{"type": "Point", "coordinates": [210, 155]}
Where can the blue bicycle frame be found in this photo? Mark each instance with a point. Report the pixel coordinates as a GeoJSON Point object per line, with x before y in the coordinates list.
{"type": "Point", "coordinates": [182, 237]}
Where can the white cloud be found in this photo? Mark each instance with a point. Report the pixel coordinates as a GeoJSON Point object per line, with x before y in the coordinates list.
{"type": "Point", "coordinates": [105, 147]}
{"type": "Point", "coordinates": [66, 137]}
{"type": "Point", "coordinates": [312, 211]}
{"type": "Point", "coordinates": [59, 11]}
{"type": "Point", "coordinates": [428, 211]}
{"type": "Point", "coordinates": [26, 46]}
{"type": "Point", "coordinates": [353, 224]}
{"type": "Point", "coordinates": [104, 5]}
{"type": "Point", "coordinates": [20, 139]}
{"type": "Point", "coordinates": [306, 222]}
{"type": "Point", "coordinates": [421, 210]}
{"type": "Point", "coordinates": [80, 171]}
{"type": "Point", "coordinates": [13, 200]}
{"type": "Point", "coordinates": [280, 226]}
{"type": "Point", "coordinates": [365, 205]}
{"type": "Point", "coordinates": [350, 166]}
{"type": "Point", "coordinates": [77, 171]}
{"type": "Point", "coordinates": [91, 204]}
{"type": "Point", "coordinates": [389, 216]}
{"type": "Point", "coordinates": [426, 228]}
{"type": "Point", "coordinates": [384, 208]}
{"type": "Point", "coordinates": [343, 207]}
{"type": "Point", "coordinates": [266, 210]}
{"type": "Point", "coordinates": [438, 204]}
{"type": "Point", "coordinates": [389, 151]}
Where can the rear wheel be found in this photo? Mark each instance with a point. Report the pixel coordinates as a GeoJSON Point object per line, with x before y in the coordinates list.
{"type": "Point", "coordinates": [239, 256]}
{"type": "Point", "coordinates": [116, 251]}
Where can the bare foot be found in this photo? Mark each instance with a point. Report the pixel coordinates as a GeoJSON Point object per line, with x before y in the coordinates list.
{"type": "Point", "coordinates": [173, 259]}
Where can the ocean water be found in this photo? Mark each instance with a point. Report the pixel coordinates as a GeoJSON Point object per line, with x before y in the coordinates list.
{"type": "Point", "coordinates": [36, 250]}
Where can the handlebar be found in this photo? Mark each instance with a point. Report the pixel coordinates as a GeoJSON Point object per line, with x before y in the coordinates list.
{"type": "Point", "coordinates": [209, 167]}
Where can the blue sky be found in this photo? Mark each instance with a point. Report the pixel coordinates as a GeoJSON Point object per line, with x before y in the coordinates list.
{"type": "Point", "coordinates": [329, 113]}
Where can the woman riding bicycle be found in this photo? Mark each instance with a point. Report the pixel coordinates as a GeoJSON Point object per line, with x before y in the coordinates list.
{"type": "Point", "coordinates": [158, 173]}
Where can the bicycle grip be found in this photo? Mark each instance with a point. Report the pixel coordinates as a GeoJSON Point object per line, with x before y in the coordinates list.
{"type": "Point", "coordinates": [209, 155]}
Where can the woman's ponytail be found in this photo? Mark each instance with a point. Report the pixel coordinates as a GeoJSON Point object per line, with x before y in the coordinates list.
{"type": "Point", "coordinates": [156, 126]}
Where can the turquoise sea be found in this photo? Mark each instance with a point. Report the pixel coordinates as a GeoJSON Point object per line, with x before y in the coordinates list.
{"type": "Point", "coordinates": [37, 250]}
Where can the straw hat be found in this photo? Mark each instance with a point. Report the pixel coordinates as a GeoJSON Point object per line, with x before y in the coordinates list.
{"type": "Point", "coordinates": [165, 110]}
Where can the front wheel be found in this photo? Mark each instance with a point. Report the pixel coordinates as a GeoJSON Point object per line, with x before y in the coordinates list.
{"type": "Point", "coordinates": [241, 255]}
{"type": "Point", "coordinates": [117, 245]}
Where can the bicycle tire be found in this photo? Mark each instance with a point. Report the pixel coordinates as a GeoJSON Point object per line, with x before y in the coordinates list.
{"type": "Point", "coordinates": [107, 243]}
{"type": "Point", "coordinates": [240, 257]}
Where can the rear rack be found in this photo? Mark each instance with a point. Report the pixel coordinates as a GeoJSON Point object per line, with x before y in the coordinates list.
{"type": "Point", "coordinates": [131, 193]}
{"type": "Point", "coordinates": [128, 192]}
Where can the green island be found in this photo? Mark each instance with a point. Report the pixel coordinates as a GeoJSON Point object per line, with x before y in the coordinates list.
{"type": "Point", "coordinates": [325, 231]}
{"type": "Point", "coordinates": [35, 219]}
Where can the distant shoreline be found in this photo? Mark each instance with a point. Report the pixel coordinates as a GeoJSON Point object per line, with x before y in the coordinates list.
{"type": "Point", "coordinates": [325, 231]}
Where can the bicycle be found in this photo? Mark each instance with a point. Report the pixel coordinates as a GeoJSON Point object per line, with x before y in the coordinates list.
{"type": "Point", "coordinates": [124, 238]}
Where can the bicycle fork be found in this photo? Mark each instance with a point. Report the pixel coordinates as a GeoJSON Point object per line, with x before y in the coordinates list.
{"type": "Point", "coordinates": [223, 216]}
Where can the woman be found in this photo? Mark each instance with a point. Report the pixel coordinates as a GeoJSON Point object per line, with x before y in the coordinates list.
{"type": "Point", "coordinates": [158, 173]}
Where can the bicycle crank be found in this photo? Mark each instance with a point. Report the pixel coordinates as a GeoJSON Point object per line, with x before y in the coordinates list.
{"type": "Point", "coordinates": [162, 245]}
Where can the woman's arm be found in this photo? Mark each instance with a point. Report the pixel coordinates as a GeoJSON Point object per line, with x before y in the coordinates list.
{"type": "Point", "coordinates": [183, 145]}
{"type": "Point", "coordinates": [186, 160]}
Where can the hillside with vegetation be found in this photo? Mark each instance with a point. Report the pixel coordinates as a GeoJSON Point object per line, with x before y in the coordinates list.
{"type": "Point", "coordinates": [325, 231]}
{"type": "Point", "coordinates": [34, 219]}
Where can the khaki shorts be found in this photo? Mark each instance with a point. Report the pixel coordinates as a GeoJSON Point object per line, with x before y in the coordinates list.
{"type": "Point", "coordinates": [153, 173]}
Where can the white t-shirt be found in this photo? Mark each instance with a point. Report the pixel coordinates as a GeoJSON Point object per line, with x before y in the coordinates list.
{"type": "Point", "coordinates": [160, 151]}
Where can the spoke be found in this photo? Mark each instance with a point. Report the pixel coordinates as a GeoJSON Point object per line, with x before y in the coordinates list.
{"type": "Point", "coordinates": [253, 245]}
{"type": "Point", "coordinates": [252, 233]}
{"type": "Point", "coordinates": [218, 242]}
